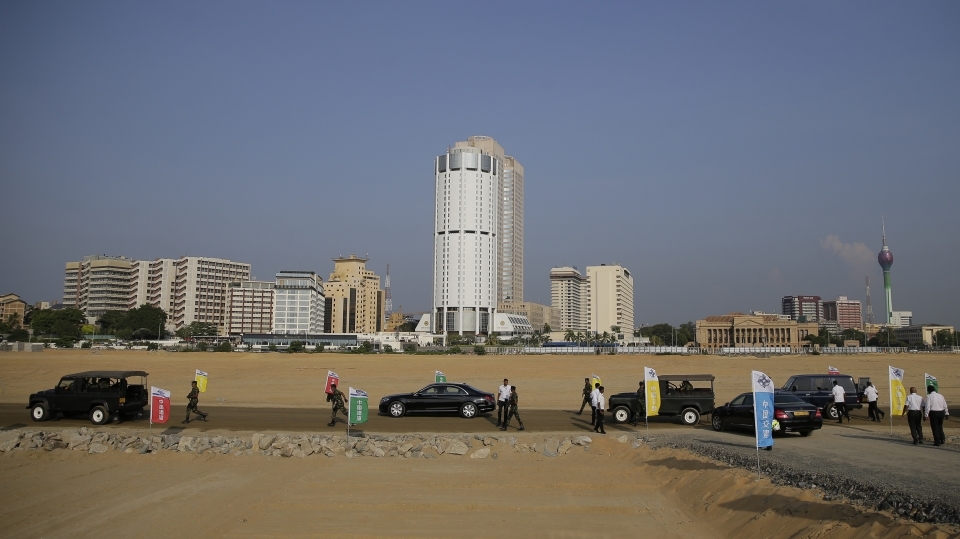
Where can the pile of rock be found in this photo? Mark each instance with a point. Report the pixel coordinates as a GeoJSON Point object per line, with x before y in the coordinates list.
{"type": "Point", "coordinates": [293, 445]}
{"type": "Point", "coordinates": [833, 486]}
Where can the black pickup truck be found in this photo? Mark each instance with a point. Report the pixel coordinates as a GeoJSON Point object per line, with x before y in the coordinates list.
{"type": "Point", "coordinates": [103, 395]}
{"type": "Point", "coordinates": [690, 403]}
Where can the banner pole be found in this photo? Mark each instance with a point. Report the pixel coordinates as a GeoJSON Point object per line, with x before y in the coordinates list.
{"type": "Point", "coordinates": [758, 463]}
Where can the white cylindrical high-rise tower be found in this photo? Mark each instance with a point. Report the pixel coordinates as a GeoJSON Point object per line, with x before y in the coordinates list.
{"type": "Point", "coordinates": [465, 241]}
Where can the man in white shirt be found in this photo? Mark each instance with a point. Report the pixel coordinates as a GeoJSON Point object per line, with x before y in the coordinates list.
{"type": "Point", "coordinates": [601, 408]}
{"type": "Point", "coordinates": [503, 401]}
{"type": "Point", "coordinates": [914, 410]}
{"type": "Point", "coordinates": [840, 402]}
{"type": "Point", "coordinates": [876, 414]}
{"type": "Point", "coordinates": [593, 403]}
{"type": "Point", "coordinates": [936, 412]}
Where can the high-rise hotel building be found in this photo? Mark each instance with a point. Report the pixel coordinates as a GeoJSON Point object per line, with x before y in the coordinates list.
{"type": "Point", "coordinates": [466, 249]}
{"type": "Point", "coordinates": [510, 217]}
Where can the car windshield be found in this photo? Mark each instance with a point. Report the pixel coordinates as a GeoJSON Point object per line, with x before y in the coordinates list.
{"type": "Point", "coordinates": [782, 398]}
{"type": "Point", "coordinates": [471, 389]}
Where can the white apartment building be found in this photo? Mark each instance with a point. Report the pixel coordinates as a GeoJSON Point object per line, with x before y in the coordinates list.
{"type": "Point", "coordinates": [509, 215]}
{"type": "Point", "coordinates": [249, 307]}
{"type": "Point", "coordinates": [188, 289]}
{"type": "Point", "coordinates": [466, 224]}
{"type": "Point", "coordinates": [99, 283]}
{"type": "Point", "coordinates": [611, 297]}
{"type": "Point", "coordinates": [298, 303]}
{"type": "Point", "coordinates": [569, 294]}
{"type": "Point", "coordinates": [200, 289]}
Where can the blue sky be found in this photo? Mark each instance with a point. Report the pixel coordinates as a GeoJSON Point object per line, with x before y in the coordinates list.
{"type": "Point", "coordinates": [727, 153]}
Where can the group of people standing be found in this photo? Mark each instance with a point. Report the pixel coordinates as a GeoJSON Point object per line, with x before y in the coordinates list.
{"type": "Point", "coordinates": [507, 403]}
{"type": "Point", "coordinates": [933, 408]}
{"type": "Point", "coordinates": [598, 404]}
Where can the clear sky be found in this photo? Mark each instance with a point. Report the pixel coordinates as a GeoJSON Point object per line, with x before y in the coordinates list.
{"type": "Point", "coordinates": [727, 153]}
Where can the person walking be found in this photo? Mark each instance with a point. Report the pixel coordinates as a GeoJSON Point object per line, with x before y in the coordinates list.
{"type": "Point", "coordinates": [503, 402]}
{"type": "Point", "coordinates": [593, 404]}
{"type": "Point", "coordinates": [936, 412]}
{"type": "Point", "coordinates": [870, 392]}
{"type": "Point", "coordinates": [840, 402]}
{"type": "Point", "coordinates": [586, 395]}
{"type": "Point", "coordinates": [192, 399]}
{"type": "Point", "coordinates": [601, 408]}
{"type": "Point", "coordinates": [640, 406]}
{"type": "Point", "coordinates": [336, 397]}
{"type": "Point", "coordinates": [513, 402]}
{"type": "Point", "coordinates": [914, 410]}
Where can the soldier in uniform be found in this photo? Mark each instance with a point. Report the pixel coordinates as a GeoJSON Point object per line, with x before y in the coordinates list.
{"type": "Point", "coordinates": [338, 404]}
{"type": "Point", "coordinates": [192, 400]}
{"type": "Point", "coordinates": [641, 405]}
{"type": "Point", "coordinates": [586, 395]}
{"type": "Point", "coordinates": [512, 403]}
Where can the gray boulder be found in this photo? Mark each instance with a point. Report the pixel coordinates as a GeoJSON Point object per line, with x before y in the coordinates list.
{"type": "Point", "coordinates": [457, 447]}
{"type": "Point", "coordinates": [481, 453]}
{"type": "Point", "coordinates": [550, 448]}
{"type": "Point", "coordinates": [96, 449]}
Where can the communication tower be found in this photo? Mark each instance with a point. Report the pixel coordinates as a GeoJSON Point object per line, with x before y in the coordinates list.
{"type": "Point", "coordinates": [387, 297]}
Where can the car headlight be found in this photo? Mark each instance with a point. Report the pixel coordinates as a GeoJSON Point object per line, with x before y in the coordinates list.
{"type": "Point", "coordinates": [385, 399]}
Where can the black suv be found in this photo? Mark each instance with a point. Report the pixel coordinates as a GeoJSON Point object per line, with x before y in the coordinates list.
{"type": "Point", "coordinates": [817, 389]}
{"type": "Point", "coordinates": [102, 394]}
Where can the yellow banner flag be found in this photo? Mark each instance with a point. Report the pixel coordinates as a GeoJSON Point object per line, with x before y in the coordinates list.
{"type": "Point", "coordinates": [898, 395]}
{"type": "Point", "coordinates": [201, 379]}
{"type": "Point", "coordinates": [594, 380]}
{"type": "Point", "coordinates": [651, 385]}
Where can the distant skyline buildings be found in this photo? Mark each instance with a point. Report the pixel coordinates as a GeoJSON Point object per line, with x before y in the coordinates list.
{"type": "Point", "coordinates": [602, 298]}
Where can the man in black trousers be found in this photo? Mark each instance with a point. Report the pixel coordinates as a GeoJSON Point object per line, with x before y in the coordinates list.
{"type": "Point", "coordinates": [601, 408]}
{"type": "Point", "coordinates": [914, 410]}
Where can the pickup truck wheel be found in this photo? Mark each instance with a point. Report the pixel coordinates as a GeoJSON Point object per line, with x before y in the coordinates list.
{"type": "Point", "coordinates": [468, 410]}
{"type": "Point", "coordinates": [99, 415]}
{"type": "Point", "coordinates": [621, 414]}
{"type": "Point", "coordinates": [717, 422]}
{"type": "Point", "coordinates": [831, 411]}
{"type": "Point", "coordinates": [397, 409]}
{"type": "Point", "coordinates": [689, 416]}
{"type": "Point", "coordinates": [40, 412]}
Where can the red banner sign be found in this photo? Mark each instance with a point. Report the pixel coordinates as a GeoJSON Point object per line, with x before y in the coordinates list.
{"type": "Point", "coordinates": [332, 378]}
{"type": "Point", "coordinates": [159, 405]}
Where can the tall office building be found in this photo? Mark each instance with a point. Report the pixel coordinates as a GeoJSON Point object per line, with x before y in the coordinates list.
{"type": "Point", "coordinates": [885, 258]}
{"type": "Point", "coordinates": [299, 303]}
{"type": "Point", "coordinates": [569, 294]}
{"type": "Point", "coordinates": [467, 186]}
{"type": "Point", "coordinates": [510, 217]}
{"type": "Point", "coordinates": [845, 312]}
{"type": "Point", "coordinates": [250, 307]}
{"type": "Point", "coordinates": [200, 289]}
{"type": "Point", "coordinates": [611, 298]}
{"type": "Point", "coordinates": [354, 301]}
{"type": "Point", "coordinates": [808, 307]}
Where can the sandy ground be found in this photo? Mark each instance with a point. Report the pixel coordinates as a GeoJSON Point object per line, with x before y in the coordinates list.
{"type": "Point", "coordinates": [544, 382]}
{"type": "Point", "coordinates": [609, 491]}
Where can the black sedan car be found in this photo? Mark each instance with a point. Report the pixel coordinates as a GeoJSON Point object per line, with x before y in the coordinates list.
{"type": "Point", "coordinates": [793, 414]}
{"type": "Point", "coordinates": [464, 399]}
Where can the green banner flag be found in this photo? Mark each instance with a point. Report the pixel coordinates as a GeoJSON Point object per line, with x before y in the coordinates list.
{"type": "Point", "coordinates": [930, 380]}
{"type": "Point", "coordinates": [358, 406]}
{"type": "Point", "coordinates": [439, 378]}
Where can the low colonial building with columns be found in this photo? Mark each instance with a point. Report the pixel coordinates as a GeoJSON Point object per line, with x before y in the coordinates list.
{"type": "Point", "coordinates": [739, 330]}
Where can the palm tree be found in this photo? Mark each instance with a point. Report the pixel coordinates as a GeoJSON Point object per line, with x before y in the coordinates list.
{"type": "Point", "coordinates": [570, 336]}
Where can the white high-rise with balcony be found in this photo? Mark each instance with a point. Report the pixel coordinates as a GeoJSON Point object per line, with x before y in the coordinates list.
{"type": "Point", "coordinates": [466, 224]}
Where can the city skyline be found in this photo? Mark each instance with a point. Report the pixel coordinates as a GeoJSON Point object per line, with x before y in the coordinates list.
{"type": "Point", "coordinates": [720, 153]}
